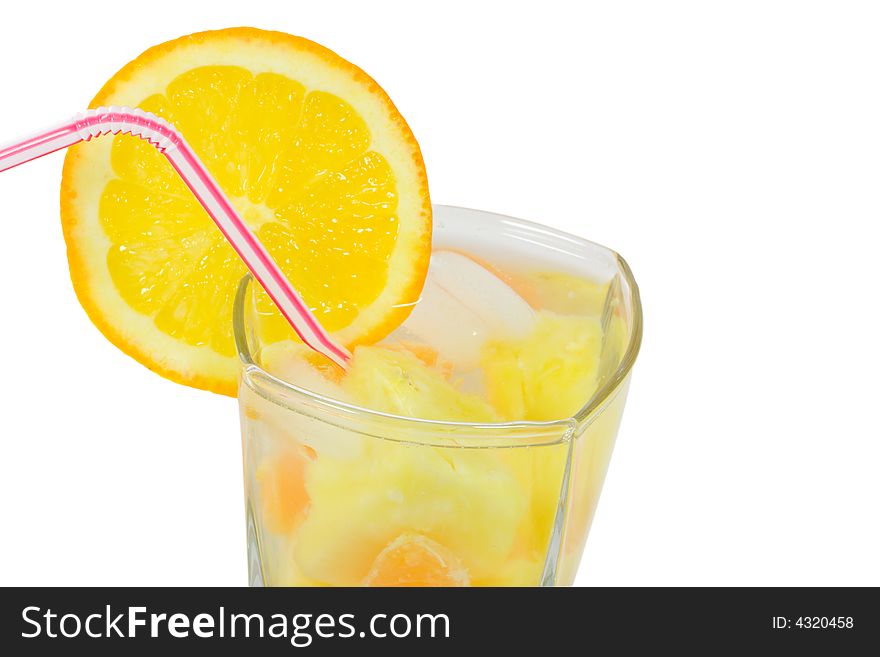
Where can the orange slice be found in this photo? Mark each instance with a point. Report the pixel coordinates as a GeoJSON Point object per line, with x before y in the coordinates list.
{"type": "Point", "coordinates": [416, 560]}
{"type": "Point", "coordinates": [314, 156]}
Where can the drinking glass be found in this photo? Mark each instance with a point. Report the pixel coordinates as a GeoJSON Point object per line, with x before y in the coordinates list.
{"type": "Point", "coordinates": [511, 503]}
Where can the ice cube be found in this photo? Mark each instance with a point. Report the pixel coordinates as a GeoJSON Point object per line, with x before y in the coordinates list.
{"type": "Point", "coordinates": [463, 304]}
{"type": "Point", "coordinates": [290, 362]}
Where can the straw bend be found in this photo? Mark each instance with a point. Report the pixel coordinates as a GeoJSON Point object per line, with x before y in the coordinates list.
{"type": "Point", "coordinates": [127, 120]}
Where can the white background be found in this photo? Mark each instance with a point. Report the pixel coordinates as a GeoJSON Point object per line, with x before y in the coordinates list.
{"type": "Point", "coordinates": [730, 151]}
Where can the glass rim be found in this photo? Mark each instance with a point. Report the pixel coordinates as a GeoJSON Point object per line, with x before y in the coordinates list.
{"type": "Point", "coordinates": [581, 418]}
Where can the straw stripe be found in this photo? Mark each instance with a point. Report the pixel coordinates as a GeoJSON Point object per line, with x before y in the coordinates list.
{"type": "Point", "coordinates": [49, 133]}
{"type": "Point", "coordinates": [21, 152]}
{"type": "Point", "coordinates": [115, 120]}
{"type": "Point", "coordinates": [248, 236]}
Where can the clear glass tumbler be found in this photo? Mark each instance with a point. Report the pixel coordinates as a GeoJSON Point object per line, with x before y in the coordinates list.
{"type": "Point", "coordinates": [443, 503]}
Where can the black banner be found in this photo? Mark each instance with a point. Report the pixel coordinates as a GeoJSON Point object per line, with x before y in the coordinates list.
{"type": "Point", "coordinates": [418, 621]}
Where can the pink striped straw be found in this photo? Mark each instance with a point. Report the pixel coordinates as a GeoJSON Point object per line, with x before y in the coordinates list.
{"type": "Point", "coordinates": [161, 134]}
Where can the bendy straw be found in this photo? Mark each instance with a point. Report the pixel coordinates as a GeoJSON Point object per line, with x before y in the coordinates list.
{"type": "Point", "coordinates": [161, 134]}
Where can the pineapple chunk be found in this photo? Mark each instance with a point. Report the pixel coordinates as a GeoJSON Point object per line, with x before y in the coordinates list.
{"type": "Point", "coordinates": [400, 383]}
{"type": "Point", "coordinates": [547, 375]}
{"type": "Point", "coordinates": [467, 500]}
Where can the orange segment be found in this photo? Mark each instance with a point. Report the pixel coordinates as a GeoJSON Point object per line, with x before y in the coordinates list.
{"type": "Point", "coordinates": [282, 490]}
{"type": "Point", "coordinates": [416, 560]}
{"type": "Point", "coordinates": [314, 156]}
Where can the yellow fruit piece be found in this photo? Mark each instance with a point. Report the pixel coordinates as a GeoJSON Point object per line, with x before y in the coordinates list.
{"type": "Point", "coordinates": [399, 382]}
{"type": "Point", "coordinates": [540, 470]}
{"type": "Point", "coordinates": [549, 374]}
{"type": "Point", "coordinates": [416, 560]}
{"type": "Point", "coordinates": [468, 500]}
{"type": "Point", "coordinates": [314, 156]}
{"type": "Point", "coordinates": [428, 355]}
